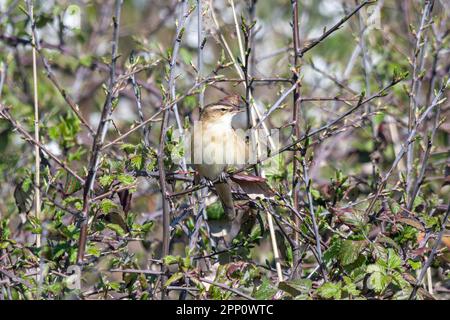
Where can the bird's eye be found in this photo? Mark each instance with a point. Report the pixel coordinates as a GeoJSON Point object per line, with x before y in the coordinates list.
{"type": "Point", "coordinates": [223, 109]}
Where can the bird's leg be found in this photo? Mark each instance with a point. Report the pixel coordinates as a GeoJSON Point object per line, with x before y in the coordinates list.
{"type": "Point", "coordinates": [207, 182]}
{"type": "Point", "coordinates": [222, 177]}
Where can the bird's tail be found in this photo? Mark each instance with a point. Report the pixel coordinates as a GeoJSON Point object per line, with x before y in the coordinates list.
{"type": "Point", "coordinates": [223, 190]}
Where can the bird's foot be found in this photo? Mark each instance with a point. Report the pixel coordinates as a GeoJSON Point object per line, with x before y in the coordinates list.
{"type": "Point", "coordinates": [207, 182]}
{"type": "Point", "coordinates": [222, 177]}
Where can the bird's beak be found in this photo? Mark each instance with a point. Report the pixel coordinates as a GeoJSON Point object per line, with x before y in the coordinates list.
{"type": "Point", "coordinates": [238, 110]}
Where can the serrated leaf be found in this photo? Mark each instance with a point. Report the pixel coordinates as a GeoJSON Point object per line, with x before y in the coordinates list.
{"type": "Point", "coordinates": [106, 180]}
{"type": "Point", "coordinates": [126, 179]}
{"type": "Point", "coordinates": [393, 261]}
{"type": "Point", "coordinates": [296, 287]}
{"type": "Point", "coordinates": [379, 281]}
{"type": "Point", "coordinates": [265, 291]}
{"type": "Point", "coordinates": [415, 265]}
{"type": "Point", "coordinates": [350, 287]}
{"type": "Point", "coordinates": [137, 162]}
{"type": "Point", "coordinates": [107, 206]}
{"type": "Point", "coordinates": [330, 290]}
{"type": "Point", "coordinates": [350, 251]}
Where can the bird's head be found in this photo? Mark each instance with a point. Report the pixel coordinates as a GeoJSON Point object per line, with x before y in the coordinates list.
{"type": "Point", "coordinates": [223, 110]}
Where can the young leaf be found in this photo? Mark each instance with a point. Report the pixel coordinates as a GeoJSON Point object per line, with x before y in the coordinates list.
{"type": "Point", "coordinates": [330, 290]}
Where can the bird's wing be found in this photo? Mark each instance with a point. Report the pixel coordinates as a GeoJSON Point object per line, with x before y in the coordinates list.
{"type": "Point", "coordinates": [253, 186]}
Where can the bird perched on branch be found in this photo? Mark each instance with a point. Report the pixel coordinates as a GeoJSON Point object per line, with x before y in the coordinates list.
{"type": "Point", "coordinates": [216, 146]}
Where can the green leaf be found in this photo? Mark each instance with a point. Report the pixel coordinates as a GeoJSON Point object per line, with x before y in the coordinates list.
{"type": "Point", "coordinates": [332, 252]}
{"type": "Point", "coordinates": [128, 148]}
{"type": "Point", "coordinates": [137, 162]}
{"type": "Point", "coordinates": [147, 226]}
{"type": "Point", "coordinates": [415, 265]}
{"type": "Point", "coordinates": [265, 291]}
{"type": "Point", "coordinates": [106, 180]}
{"type": "Point", "coordinates": [296, 287]}
{"type": "Point", "coordinates": [350, 251]}
{"type": "Point", "coordinates": [315, 194]}
{"type": "Point", "coordinates": [126, 179]}
{"type": "Point", "coordinates": [394, 261]}
{"type": "Point", "coordinates": [86, 61]}
{"type": "Point", "coordinates": [114, 285]}
{"type": "Point", "coordinates": [173, 278]}
{"type": "Point", "coordinates": [93, 251]}
{"type": "Point", "coordinates": [107, 206]}
{"type": "Point", "coordinates": [168, 260]}
{"type": "Point", "coordinates": [330, 290]}
{"type": "Point", "coordinates": [116, 228]}
{"type": "Point", "coordinates": [350, 287]}
{"type": "Point", "coordinates": [4, 244]}
{"type": "Point", "coordinates": [418, 201]}
{"type": "Point", "coordinates": [379, 118]}
{"type": "Point", "coordinates": [72, 184]}
{"type": "Point", "coordinates": [378, 279]}
{"type": "Point", "coordinates": [215, 211]}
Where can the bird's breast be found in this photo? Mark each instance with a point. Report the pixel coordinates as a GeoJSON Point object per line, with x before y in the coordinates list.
{"type": "Point", "coordinates": [216, 148]}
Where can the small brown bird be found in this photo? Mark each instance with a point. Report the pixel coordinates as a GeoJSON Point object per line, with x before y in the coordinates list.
{"type": "Point", "coordinates": [216, 146]}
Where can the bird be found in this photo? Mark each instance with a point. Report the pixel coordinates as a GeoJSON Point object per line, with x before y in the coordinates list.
{"type": "Point", "coordinates": [216, 146]}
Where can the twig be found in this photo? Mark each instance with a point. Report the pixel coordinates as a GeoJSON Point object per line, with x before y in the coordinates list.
{"type": "Point", "coordinates": [315, 42]}
{"type": "Point", "coordinates": [168, 106]}
{"type": "Point", "coordinates": [224, 41]}
{"type": "Point", "coordinates": [184, 13]}
{"type": "Point", "coordinates": [427, 264]}
{"type": "Point", "coordinates": [296, 120]}
{"type": "Point", "coordinates": [276, 254]}
{"type": "Point", "coordinates": [313, 216]}
{"type": "Point", "coordinates": [418, 61]}
{"type": "Point", "coordinates": [15, 278]}
{"type": "Point", "coordinates": [137, 94]}
{"type": "Point", "coordinates": [225, 287]}
{"type": "Point", "coordinates": [339, 83]}
{"type": "Point", "coordinates": [201, 214]}
{"type": "Point", "coordinates": [100, 135]}
{"type": "Point", "coordinates": [150, 272]}
{"type": "Point", "coordinates": [200, 46]}
{"type": "Point", "coordinates": [54, 80]}
{"type": "Point", "coordinates": [403, 150]}
{"type": "Point", "coordinates": [5, 114]}
{"type": "Point", "coordinates": [182, 20]}
{"type": "Point", "coordinates": [423, 164]}
{"type": "Point", "coordinates": [277, 104]}
{"type": "Point", "coordinates": [217, 284]}
{"type": "Point", "coordinates": [3, 69]}
{"type": "Point", "coordinates": [37, 160]}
